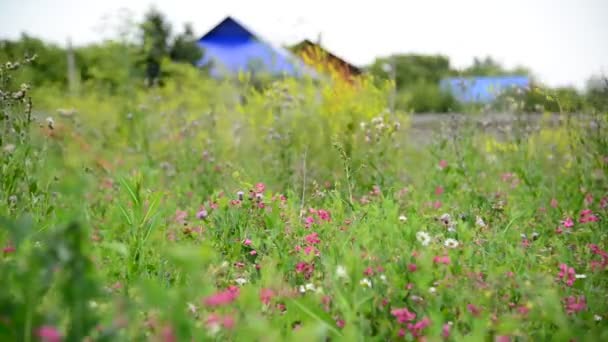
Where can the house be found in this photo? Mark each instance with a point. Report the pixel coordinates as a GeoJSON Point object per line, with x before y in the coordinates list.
{"type": "Point", "coordinates": [322, 60]}
{"type": "Point", "coordinates": [230, 48]}
{"type": "Point", "coordinates": [482, 89]}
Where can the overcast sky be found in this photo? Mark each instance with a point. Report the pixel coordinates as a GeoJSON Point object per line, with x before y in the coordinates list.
{"type": "Point", "coordinates": [562, 41]}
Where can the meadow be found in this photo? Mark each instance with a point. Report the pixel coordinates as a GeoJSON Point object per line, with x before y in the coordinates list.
{"type": "Point", "coordinates": [297, 210]}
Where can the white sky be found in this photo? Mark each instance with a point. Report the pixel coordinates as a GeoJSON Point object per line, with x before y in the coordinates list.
{"type": "Point", "coordinates": [562, 41]}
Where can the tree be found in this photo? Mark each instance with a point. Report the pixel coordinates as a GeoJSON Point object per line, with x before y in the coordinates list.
{"type": "Point", "coordinates": [490, 67]}
{"type": "Point", "coordinates": [185, 47]}
{"type": "Point", "coordinates": [155, 33]}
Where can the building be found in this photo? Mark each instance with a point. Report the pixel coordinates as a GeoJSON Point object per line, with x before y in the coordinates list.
{"type": "Point", "coordinates": [482, 89]}
{"type": "Point", "coordinates": [230, 48]}
{"type": "Point", "coordinates": [314, 55]}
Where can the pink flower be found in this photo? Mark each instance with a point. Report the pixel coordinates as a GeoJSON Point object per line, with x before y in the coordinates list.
{"type": "Point", "coordinates": [180, 216]}
{"type": "Point", "coordinates": [502, 338]}
{"type": "Point", "coordinates": [403, 315]}
{"type": "Point", "coordinates": [588, 199]}
{"type": "Point", "coordinates": [443, 164]}
{"type": "Point", "coordinates": [445, 330]}
{"type": "Point", "coordinates": [437, 204]}
{"type": "Point", "coordinates": [442, 260]}
{"type": "Point", "coordinates": [259, 188]}
{"type": "Point", "coordinates": [412, 267]}
{"type": "Point", "coordinates": [567, 273]}
{"type": "Point", "coordinates": [266, 295]}
{"type": "Point", "coordinates": [439, 190]}
{"type": "Point", "coordinates": [309, 221]}
{"type": "Point", "coordinates": [253, 252]}
{"type": "Point", "coordinates": [475, 311]}
{"type": "Point", "coordinates": [168, 335]}
{"type": "Point", "coordinates": [222, 298]}
{"type": "Point", "coordinates": [340, 323]}
{"type": "Point", "coordinates": [554, 203]}
{"type": "Point", "coordinates": [228, 322]}
{"type": "Point", "coordinates": [575, 304]}
{"type": "Point", "coordinates": [312, 239]}
{"type": "Point", "coordinates": [416, 329]}
{"type": "Point", "coordinates": [8, 249]}
{"type": "Point", "coordinates": [247, 242]}
{"type": "Point", "coordinates": [568, 223]}
{"type": "Point", "coordinates": [604, 203]}
{"type": "Point", "coordinates": [48, 333]}
{"type": "Point", "coordinates": [587, 216]}
{"type": "Point", "coordinates": [369, 272]}
{"type": "Point", "coordinates": [324, 215]}
{"type": "Point", "coordinates": [305, 268]}
{"type": "Point", "coordinates": [202, 214]}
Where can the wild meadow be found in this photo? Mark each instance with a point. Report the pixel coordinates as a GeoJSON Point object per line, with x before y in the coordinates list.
{"type": "Point", "coordinates": [295, 210]}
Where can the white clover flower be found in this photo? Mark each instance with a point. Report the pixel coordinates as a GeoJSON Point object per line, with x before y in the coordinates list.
{"type": "Point", "coordinates": [366, 282]}
{"type": "Point", "coordinates": [383, 277]}
{"type": "Point", "coordinates": [424, 238]}
{"type": "Point", "coordinates": [451, 243]}
{"type": "Point", "coordinates": [341, 272]}
{"type": "Point", "coordinates": [432, 289]}
{"type": "Point", "coordinates": [302, 289]}
{"type": "Point", "coordinates": [402, 218]}
{"type": "Point", "coordinates": [310, 287]}
{"type": "Point", "coordinates": [580, 276]}
{"type": "Point", "coordinates": [452, 228]}
{"type": "Point", "coordinates": [597, 318]}
{"type": "Point", "coordinates": [191, 308]}
{"type": "Point", "coordinates": [241, 281]}
{"type": "Point", "coordinates": [479, 222]}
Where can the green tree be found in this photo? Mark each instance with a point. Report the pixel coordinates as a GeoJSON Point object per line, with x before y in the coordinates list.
{"type": "Point", "coordinates": [185, 47]}
{"type": "Point", "coordinates": [155, 33]}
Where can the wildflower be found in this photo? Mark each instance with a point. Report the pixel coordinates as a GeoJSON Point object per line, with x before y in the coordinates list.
{"type": "Point", "coordinates": [365, 282]}
{"type": "Point", "coordinates": [259, 188]}
{"type": "Point", "coordinates": [324, 215]}
{"type": "Point", "coordinates": [247, 242]}
{"type": "Point", "coordinates": [403, 315]}
{"type": "Point", "coordinates": [340, 323]}
{"type": "Point", "coordinates": [416, 329]}
{"type": "Point", "coordinates": [474, 310]}
{"type": "Point", "coordinates": [312, 239]}
{"type": "Point", "coordinates": [439, 190]}
{"type": "Point", "coordinates": [305, 268]}
{"type": "Point", "coordinates": [587, 216]}
{"type": "Point", "coordinates": [310, 287]}
{"type": "Point", "coordinates": [567, 273]}
{"type": "Point", "coordinates": [424, 238]}
{"type": "Point", "coordinates": [202, 214]}
{"type": "Point", "coordinates": [502, 338]}
{"type": "Point", "coordinates": [479, 222]}
{"type": "Point", "coordinates": [240, 195]}
{"type": "Point", "coordinates": [48, 333]}
{"type": "Point", "coordinates": [253, 252]}
{"type": "Point", "coordinates": [240, 281]}
{"type": "Point", "coordinates": [266, 295]}
{"type": "Point", "coordinates": [8, 250]}
{"type": "Point", "coordinates": [445, 330]}
{"type": "Point", "coordinates": [433, 289]}
{"type": "Point", "coordinates": [341, 272]}
{"type": "Point", "coordinates": [402, 218]}
{"type": "Point", "coordinates": [580, 276]}
{"type": "Point", "coordinates": [451, 243]}
{"type": "Point", "coordinates": [383, 278]}
{"type": "Point", "coordinates": [180, 216]}
{"type": "Point", "coordinates": [412, 267]}
{"type": "Point", "coordinates": [443, 164]}
{"type": "Point", "coordinates": [568, 223]}
{"type": "Point", "coordinates": [575, 304]}
{"type": "Point", "coordinates": [535, 235]}
{"type": "Point", "coordinates": [554, 203]}
{"type": "Point", "coordinates": [50, 122]}
{"type": "Point", "coordinates": [442, 260]}
{"type": "Point", "coordinates": [597, 318]}
{"type": "Point", "coordinates": [223, 297]}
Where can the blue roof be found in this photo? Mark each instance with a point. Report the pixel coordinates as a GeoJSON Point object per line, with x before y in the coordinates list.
{"type": "Point", "coordinates": [482, 89]}
{"type": "Point", "coordinates": [230, 48]}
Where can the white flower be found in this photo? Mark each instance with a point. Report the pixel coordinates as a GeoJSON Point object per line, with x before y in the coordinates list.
{"type": "Point", "coordinates": [452, 228]}
{"type": "Point", "coordinates": [302, 289]}
{"type": "Point", "coordinates": [580, 276]}
{"type": "Point", "coordinates": [241, 281]}
{"type": "Point", "coordinates": [310, 287]}
{"type": "Point", "coordinates": [597, 318]}
{"type": "Point", "coordinates": [451, 243]}
{"type": "Point", "coordinates": [341, 272]}
{"type": "Point", "coordinates": [432, 289]}
{"type": "Point", "coordinates": [50, 122]}
{"type": "Point", "coordinates": [479, 222]}
{"type": "Point", "coordinates": [383, 278]}
{"type": "Point", "coordinates": [366, 282]}
{"type": "Point", "coordinates": [402, 218]}
{"type": "Point", "coordinates": [191, 308]}
{"type": "Point", "coordinates": [424, 238]}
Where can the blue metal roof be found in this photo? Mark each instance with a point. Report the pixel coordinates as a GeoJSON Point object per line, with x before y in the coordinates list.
{"type": "Point", "coordinates": [482, 89]}
{"type": "Point", "coordinates": [230, 48]}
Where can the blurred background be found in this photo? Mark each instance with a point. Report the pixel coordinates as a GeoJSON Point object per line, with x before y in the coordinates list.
{"type": "Point", "coordinates": [441, 56]}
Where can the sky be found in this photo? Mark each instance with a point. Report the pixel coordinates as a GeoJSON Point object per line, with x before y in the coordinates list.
{"type": "Point", "coordinates": [563, 42]}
